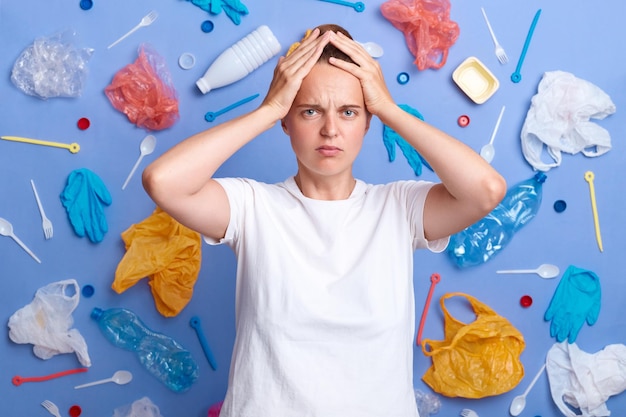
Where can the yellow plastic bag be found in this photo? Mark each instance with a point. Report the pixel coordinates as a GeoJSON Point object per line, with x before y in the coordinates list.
{"type": "Point", "coordinates": [166, 251]}
{"type": "Point", "coordinates": [477, 359]}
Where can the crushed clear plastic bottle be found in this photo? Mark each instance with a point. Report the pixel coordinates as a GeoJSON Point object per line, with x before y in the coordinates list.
{"type": "Point", "coordinates": [165, 358]}
{"type": "Point", "coordinates": [484, 239]}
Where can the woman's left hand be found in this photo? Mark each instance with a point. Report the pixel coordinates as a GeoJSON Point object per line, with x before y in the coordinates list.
{"type": "Point", "coordinates": [366, 69]}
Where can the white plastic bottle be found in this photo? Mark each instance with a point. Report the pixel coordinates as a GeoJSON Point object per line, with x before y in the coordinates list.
{"type": "Point", "coordinates": [239, 60]}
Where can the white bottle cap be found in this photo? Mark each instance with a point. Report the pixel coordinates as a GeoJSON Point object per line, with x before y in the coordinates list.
{"type": "Point", "coordinates": [203, 85]}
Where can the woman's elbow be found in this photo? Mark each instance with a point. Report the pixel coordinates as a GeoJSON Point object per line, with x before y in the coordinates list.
{"type": "Point", "coordinates": [152, 181]}
{"type": "Point", "coordinates": [494, 190]}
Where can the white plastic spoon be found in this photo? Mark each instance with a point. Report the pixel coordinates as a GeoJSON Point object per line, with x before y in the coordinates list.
{"type": "Point", "coordinates": [519, 403]}
{"type": "Point", "coordinates": [6, 229]}
{"type": "Point", "coordinates": [119, 377]}
{"type": "Point", "coordinates": [146, 148]}
{"type": "Point", "coordinates": [544, 271]}
{"type": "Point", "coordinates": [372, 48]}
{"type": "Point", "coordinates": [488, 151]}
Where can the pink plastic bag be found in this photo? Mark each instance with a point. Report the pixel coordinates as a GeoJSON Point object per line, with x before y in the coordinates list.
{"type": "Point", "coordinates": [427, 28]}
{"type": "Point", "coordinates": [143, 91]}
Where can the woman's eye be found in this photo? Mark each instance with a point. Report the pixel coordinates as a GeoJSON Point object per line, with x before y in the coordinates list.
{"type": "Point", "coordinates": [349, 113]}
{"type": "Point", "coordinates": [310, 112]}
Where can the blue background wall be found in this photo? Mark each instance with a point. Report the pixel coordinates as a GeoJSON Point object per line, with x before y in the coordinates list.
{"type": "Point", "coordinates": [573, 36]}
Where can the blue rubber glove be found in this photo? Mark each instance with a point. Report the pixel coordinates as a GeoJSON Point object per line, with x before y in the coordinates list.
{"type": "Point", "coordinates": [391, 138]}
{"type": "Point", "coordinates": [576, 300]}
{"type": "Point", "coordinates": [234, 9]}
{"type": "Point", "coordinates": [84, 198]}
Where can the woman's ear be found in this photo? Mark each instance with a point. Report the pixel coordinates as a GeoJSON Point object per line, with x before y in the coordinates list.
{"type": "Point", "coordinates": [284, 126]}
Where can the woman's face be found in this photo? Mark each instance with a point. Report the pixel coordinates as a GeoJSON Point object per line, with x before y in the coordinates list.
{"type": "Point", "coordinates": [327, 121]}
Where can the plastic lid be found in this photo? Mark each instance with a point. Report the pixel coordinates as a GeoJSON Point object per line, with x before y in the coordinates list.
{"type": "Point", "coordinates": [207, 26]}
{"type": "Point", "coordinates": [560, 206]}
{"type": "Point", "coordinates": [86, 4]}
{"type": "Point", "coordinates": [203, 85]}
{"type": "Point", "coordinates": [96, 313]}
{"type": "Point", "coordinates": [75, 411]}
{"type": "Point", "coordinates": [403, 78]}
{"type": "Point", "coordinates": [83, 123]}
{"type": "Point", "coordinates": [186, 61]}
{"type": "Point", "coordinates": [526, 301]}
{"type": "Point", "coordinates": [88, 291]}
{"type": "Point", "coordinates": [463, 120]}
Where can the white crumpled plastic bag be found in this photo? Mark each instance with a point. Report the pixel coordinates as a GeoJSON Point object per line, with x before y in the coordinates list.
{"type": "Point", "coordinates": [46, 322]}
{"type": "Point", "coordinates": [140, 408]}
{"type": "Point", "coordinates": [585, 381]}
{"type": "Point", "coordinates": [559, 119]}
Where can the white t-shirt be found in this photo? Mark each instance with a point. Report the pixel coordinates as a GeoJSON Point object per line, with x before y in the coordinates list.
{"type": "Point", "coordinates": [325, 311]}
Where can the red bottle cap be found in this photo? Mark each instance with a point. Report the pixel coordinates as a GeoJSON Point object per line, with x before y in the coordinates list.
{"type": "Point", "coordinates": [75, 411]}
{"type": "Point", "coordinates": [83, 123]}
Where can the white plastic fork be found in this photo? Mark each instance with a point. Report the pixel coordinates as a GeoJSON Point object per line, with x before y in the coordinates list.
{"type": "Point", "coordinates": [500, 53]}
{"type": "Point", "coordinates": [51, 407]}
{"type": "Point", "coordinates": [46, 223]}
{"type": "Point", "coordinates": [466, 412]}
{"type": "Point", "coordinates": [145, 21]}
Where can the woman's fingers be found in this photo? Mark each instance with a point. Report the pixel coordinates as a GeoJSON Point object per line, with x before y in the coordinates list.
{"type": "Point", "coordinates": [291, 70]}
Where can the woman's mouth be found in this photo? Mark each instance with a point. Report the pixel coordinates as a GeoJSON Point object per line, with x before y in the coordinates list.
{"type": "Point", "coordinates": [328, 150]}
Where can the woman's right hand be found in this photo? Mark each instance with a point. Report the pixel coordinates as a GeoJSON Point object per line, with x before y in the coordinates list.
{"type": "Point", "coordinates": [291, 70]}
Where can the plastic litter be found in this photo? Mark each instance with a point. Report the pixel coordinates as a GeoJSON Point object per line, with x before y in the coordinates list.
{"type": "Point", "coordinates": [585, 381]}
{"type": "Point", "coordinates": [83, 123]}
{"type": "Point", "coordinates": [161, 355]}
{"type": "Point", "coordinates": [358, 6]}
{"type": "Point", "coordinates": [207, 26]}
{"type": "Point", "coordinates": [52, 66]}
{"type": "Point", "coordinates": [46, 322]}
{"type": "Point", "coordinates": [427, 28]}
{"type": "Point", "coordinates": [559, 118]}
{"type": "Point", "coordinates": [18, 380]}
{"type": "Point", "coordinates": [391, 138]}
{"type": "Point", "coordinates": [143, 407]}
{"type": "Point", "coordinates": [403, 78]}
{"type": "Point", "coordinates": [516, 77]}
{"type": "Point", "coordinates": [486, 238]}
{"type": "Point", "coordinates": [166, 252]}
{"type": "Point", "coordinates": [214, 410]}
{"type": "Point", "coordinates": [576, 300]}
{"type": "Point", "coordinates": [234, 9]}
{"type": "Point", "coordinates": [144, 91]}
{"type": "Point", "coordinates": [427, 403]}
{"type": "Point", "coordinates": [84, 199]}
{"type": "Point", "coordinates": [239, 60]}
{"type": "Point", "coordinates": [458, 365]}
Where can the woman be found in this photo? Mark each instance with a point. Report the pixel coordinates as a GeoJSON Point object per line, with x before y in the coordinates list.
{"type": "Point", "coordinates": [324, 301]}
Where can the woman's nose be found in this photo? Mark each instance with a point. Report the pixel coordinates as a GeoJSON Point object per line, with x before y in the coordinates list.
{"type": "Point", "coordinates": [329, 128]}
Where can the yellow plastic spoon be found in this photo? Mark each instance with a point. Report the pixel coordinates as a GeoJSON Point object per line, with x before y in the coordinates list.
{"type": "Point", "coordinates": [72, 147]}
{"type": "Point", "coordinates": [589, 178]}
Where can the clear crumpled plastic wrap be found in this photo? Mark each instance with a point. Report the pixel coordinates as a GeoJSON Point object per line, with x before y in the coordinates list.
{"type": "Point", "coordinates": [52, 66]}
{"type": "Point", "coordinates": [143, 407]}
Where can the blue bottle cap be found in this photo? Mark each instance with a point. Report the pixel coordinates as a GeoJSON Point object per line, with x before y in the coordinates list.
{"type": "Point", "coordinates": [560, 206]}
{"type": "Point", "coordinates": [88, 291]}
{"type": "Point", "coordinates": [207, 26]}
{"type": "Point", "coordinates": [403, 78]}
{"type": "Point", "coordinates": [86, 4]}
{"type": "Point", "coordinates": [96, 313]}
